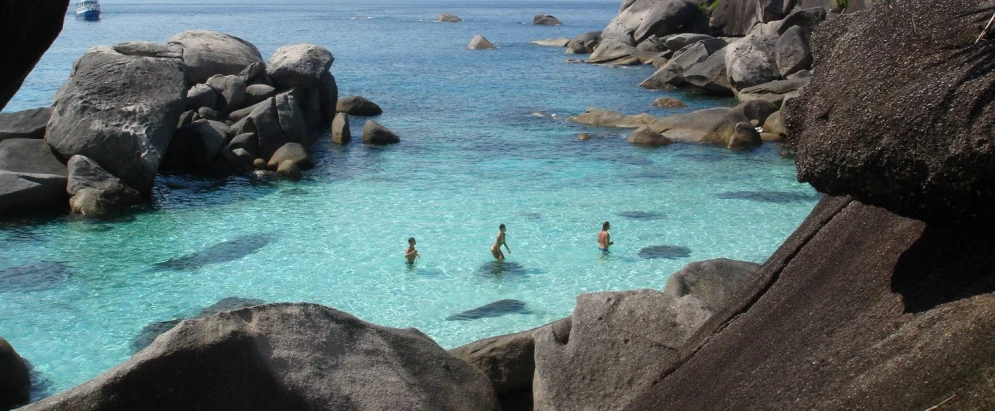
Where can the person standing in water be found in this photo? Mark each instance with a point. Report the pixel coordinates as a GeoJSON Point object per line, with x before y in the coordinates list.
{"type": "Point", "coordinates": [496, 248]}
{"type": "Point", "coordinates": [604, 239]}
{"type": "Point", "coordinates": [411, 254]}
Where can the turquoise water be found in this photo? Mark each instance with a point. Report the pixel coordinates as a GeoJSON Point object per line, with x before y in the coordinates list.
{"type": "Point", "coordinates": [473, 155]}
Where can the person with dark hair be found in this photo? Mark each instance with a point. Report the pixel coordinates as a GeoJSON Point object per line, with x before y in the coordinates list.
{"type": "Point", "coordinates": [496, 248]}
{"type": "Point", "coordinates": [411, 254]}
{"type": "Point", "coordinates": [604, 239]}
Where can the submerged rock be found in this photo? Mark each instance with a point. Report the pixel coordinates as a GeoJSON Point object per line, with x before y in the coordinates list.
{"type": "Point", "coordinates": [557, 42]}
{"type": "Point", "coordinates": [645, 136]}
{"type": "Point", "coordinates": [494, 309]}
{"type": "Point", "coordinates": [665, 251]}
{"type": "Point", "coordinates": [108, 193]}
{"type": "Point", "coordinates": [286, 356]}
{"type": "Point", "coordinates": [38, 276]}
{"type": "Point", "coordinates": [668, 102]}
{"type": "Point", "coordinates": [226, 251]}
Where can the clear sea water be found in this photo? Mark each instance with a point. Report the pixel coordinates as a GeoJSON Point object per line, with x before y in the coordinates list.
{"type": "Point", "coordinates": [473, 156]}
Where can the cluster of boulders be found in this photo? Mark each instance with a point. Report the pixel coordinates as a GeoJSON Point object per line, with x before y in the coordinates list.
{"type": "Point", "coordinates": [733, 127]}
{"type": "Point", "coordinates": [768, 60]}
{"type": "Point", "coordinates": [203, 102]}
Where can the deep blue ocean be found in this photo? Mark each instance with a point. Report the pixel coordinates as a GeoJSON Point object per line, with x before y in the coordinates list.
{"type": "Point", "coordinates": [473, 155]}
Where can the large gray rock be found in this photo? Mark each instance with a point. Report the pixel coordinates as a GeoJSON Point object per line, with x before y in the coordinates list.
{"type": "Point", "coordinates": [27, 30]}
{"type": "Point", "coordinates": [15, 381]}
{"type": "Point", "coordinates": [717, 283]}
{"type": "Point", "coordinates": [737, 17]}
{"type": "Point", "coordinates": [31, 192]}
{"type": "Point", "coordinates": [448, 18]}
{"type": "Point", "coordinates": [266, 123]}
{"type": "Point", "coordinates": [478, 42]}
{"type": "Point", "coordinates": [299, 65]}
{"type": "Point", "coordinates": [291, 117]}
{"type": "Point", "coordinates": [584, 43]}
{"type": "Point", "coordinates": [255, 73]}
{"type": "Point", "coordinates": [256, 93]}
{"type": "Point", "coordinates": [285, 356]}
{"type": "Point", "coordinates": [358, 106]}
{"type": "Point", "coordinates": [679, 41]}
{"type": "Point", "coordinates": [28, 155]}
{"type": "Point", "coordinates": [640, 19]}
{"type": "Point", "coordinates": [329, 97]}
{"type": "Point", "coordinates": [340, 129]}
{"type": "Point", "coordinates": [594, 116]}
{"type": "Point", "coordinates": [374, 133]}
{"type": "Point", "coordinates": [202, 95]}
{"type": "Point", "coordinates": [710, 126]}
{"type": "Point", "coordinates": [293, 152]}
{"type": "Point", "coordinates": [750, 61]}
{"type": "Point", "coordinates": [807, 18]}
{"type": "Point", "coordinates": [744, 137]}
{"type": "Point", "coordinates": [710, 75]}
{"type": "Point", "coordinates": [24, 124]}
{"type": "Point", "coordinates": [545, 20]}
{"type": "Point", "coordinates": [645, 136]}
{"type": "Point", "coordinates": [102, 114]}
{"type": "Point", "coordinates": [616, 346]}
{"type": "Point", "coordinates": [208, 53]}
{"type": "Point", "coordinates": [792, 52]}
{"type": "Point", "coordinates": [775, 91]}
{"type": "Point", "coordinates": [610, 50]}
{"type": "Point", "coordinates": [230, 90]}
{"type": "Point", "coordinates": [902, 124]}
{"type": "Point", "coordinates": [672, 73]}
{"type": "Point", "coordinates": [194, 147]}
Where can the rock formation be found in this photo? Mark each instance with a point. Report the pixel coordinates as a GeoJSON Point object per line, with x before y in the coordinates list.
{"type": "Point", "coordinates": [209, 53]}
{"type": "Point", "coordinates": [285, 356]}
{"type": "Point", "coordinates": [24, 124]}
{"type": "Point", "coordinates": [99, 113]}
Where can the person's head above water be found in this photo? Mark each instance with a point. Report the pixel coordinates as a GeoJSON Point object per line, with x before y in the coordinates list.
{"type": "Point", "coordinates": [502, 227]}
{"type": "Point", "coordinates": [605, 225]}
{"type": "Point", "coordinates": [411, 240]}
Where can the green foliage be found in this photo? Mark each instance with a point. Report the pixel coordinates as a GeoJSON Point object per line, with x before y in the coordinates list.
{"type": "Point", "coordinates": [708, 6]}
{"type": "Point", "coordinates": [841, 4]}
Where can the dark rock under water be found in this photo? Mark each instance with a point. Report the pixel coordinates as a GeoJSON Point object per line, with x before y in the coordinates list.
{"type": "Point", "coordinates": [494, 309]}
{"type": "Point", "coordinates": [503, 267]}
{"type": "Point", "coordinates": [642, 215]}
{"type": "Point", "coordinates": [150, 332]}
{"type": "Point", "coordinates": [34, 277]}
{"type": "Point", "coordinates": [777, 197]}
{"type": "Point", "coordinates": [226, 251]}
{"type": "Point", "coordinates": [665, 251]}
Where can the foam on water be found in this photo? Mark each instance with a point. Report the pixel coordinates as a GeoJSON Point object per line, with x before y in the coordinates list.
{"type": "Point", "coordinates": [473, 155]}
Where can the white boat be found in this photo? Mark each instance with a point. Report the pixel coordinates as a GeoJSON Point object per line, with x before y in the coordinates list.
{"type": "Point", "coordinates": [88, 10]}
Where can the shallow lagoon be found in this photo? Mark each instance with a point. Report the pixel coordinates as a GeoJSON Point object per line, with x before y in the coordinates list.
{"type": "Point", "coordinates": [473, 156]}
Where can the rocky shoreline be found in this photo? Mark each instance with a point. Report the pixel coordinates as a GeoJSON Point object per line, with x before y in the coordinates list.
{"type": "Point", "coordinates": [883, 298]}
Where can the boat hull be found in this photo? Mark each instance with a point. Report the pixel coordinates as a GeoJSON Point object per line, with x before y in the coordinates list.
{"type": "Point", "coordinates": [89, 15]}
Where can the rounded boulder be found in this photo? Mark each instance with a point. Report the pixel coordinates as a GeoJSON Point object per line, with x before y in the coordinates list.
{"type": "Point", "coordinates": [299, 65]}
{"type": "Point", "coordinates": [207, 53]}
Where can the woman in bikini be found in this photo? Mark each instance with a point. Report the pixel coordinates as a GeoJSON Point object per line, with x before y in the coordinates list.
{"type": "Point", "coordinates": [496, 248]}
